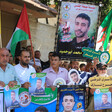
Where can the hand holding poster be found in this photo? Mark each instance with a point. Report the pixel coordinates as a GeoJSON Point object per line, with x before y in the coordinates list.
{"type": "Point", "coordinates": [37, 84]}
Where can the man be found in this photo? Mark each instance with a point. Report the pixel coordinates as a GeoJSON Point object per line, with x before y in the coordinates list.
{"type": "Point", "coordinates": [82, 25]}
{"type": "Point", "coordinates": [47, 63]}
{"type": "Point", "coordinates": [37, 56]}
{"type": "Point", "coordinates": [75, 65]}
{"type": "Point", "coordinates": [23, 69]}
{"type": "Point", "coordinates": [68, 102]}
{"type": "Point", "coordinates": [39, 88]}
{"type": "Point", "coordinates": [7, 72]}
{"type": "Point", "coordinates": [41, 109]}
{"type": "Point", "coordinates": [101, 69]}
{"type": "Point", "coordinates": [105, 102]}
{"type": "Point", "coordinates": [55, 71]}
{"type": "Point", "coordinates": [82, 67]}
{"type": "Point", "coordinates": [14, 102]}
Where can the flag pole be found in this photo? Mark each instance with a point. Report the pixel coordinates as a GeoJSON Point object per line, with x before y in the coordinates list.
{"type": "Point", "coordinates": [32, 51]}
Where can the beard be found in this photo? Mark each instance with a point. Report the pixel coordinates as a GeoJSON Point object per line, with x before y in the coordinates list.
{"type": "Point", "coordinates": [82, 33]}
{"type": "Point", "coordinates": [24, 63]}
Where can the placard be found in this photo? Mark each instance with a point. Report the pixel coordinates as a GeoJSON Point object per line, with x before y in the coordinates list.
{"type": "Point", "coordinates": [75, 78]}
{"type": "Point", "coordinates": [11, 96]}
{"type": "Point", "coordinates": [37, 81]}
{"type": "Point", "coordinates": [100, 82]}
{"type": "Point", "coordinates": [71, 98]}
{"type": "Point", "coordinates": [103, 57]}
{"type": "Point", "coordinates": [102, 99]}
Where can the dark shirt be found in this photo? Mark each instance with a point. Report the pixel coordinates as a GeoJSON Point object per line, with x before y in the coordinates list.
{"type": "Point", "coordinates": [85, 43]}
{"type": "Point", "coordinates": [105, 105]}
{"type": "Point", "coordinates": [15, 104]}
{"type": "Point", "coordinates": [39, 91]}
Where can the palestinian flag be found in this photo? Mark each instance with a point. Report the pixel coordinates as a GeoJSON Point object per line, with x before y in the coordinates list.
{"type": "Point", "coordinates": [22, 31]}
{"type": "Point", "coordinates": [104, 32]}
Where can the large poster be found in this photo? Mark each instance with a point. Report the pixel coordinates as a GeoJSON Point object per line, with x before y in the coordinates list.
{"type": "Point", "coordinates": [71, 99]}
{"type": "Point", "coordinates": [77, 28]}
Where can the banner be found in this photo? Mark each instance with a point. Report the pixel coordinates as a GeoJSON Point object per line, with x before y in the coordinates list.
{"type": "Point", "coordinates": [45, 103]}
{"type": "Point", "coordinates": [102, 99]}
{"type": "Point", "coordinates": [72, 99]}
{"type": "Point", "coordinates": [77, 28]}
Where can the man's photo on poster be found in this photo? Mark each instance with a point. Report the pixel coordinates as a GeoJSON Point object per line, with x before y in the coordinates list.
{"type": "Point", "coordinates": [71, 101]}
{"type": "Point", "coordinates": [102, 100]}
{"type": "Point", "coordinates": [37, 85]}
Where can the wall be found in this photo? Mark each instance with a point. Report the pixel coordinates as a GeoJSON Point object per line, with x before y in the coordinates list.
{"type": "Point", "coordinates": [43, 37]}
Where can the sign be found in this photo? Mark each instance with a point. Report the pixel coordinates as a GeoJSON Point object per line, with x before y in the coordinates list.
{"type": "Point", "coordinates": [102, 99]}
{"type": "Point", "coordinates": [91, 53]}
{"type": "Point", "coordinates": [74, 95]}
{"type": "Point", "coordinates": [100, 82]}
{"type": "Point", "coordinates": [77, 28]}
{"type": "Point", "coordinates": [37, 81]}
{"type": "Point", "coordinates": [11, 96]}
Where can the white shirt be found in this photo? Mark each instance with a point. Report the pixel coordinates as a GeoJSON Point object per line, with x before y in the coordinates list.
{"type": "Point", "coordinates": [24, 73]}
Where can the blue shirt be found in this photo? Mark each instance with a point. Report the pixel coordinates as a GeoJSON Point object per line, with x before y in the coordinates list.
{"type": "Point", "coordinates": [9, 74]}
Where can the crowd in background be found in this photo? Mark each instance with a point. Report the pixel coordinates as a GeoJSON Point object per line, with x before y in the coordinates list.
{"type": "Point", "coordinates": [17, 70]}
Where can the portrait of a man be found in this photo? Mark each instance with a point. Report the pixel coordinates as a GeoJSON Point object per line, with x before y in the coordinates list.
{"type": "Point", "coordinates": [68, 102]}
{"type": "Point", "coordinates": [105, 102]}
{"type": "Point", "coordinates": [14, 102]}
{"type": "Point", "coordinates": [82, 26]}
{"type": "Point", "coordinates": [39, 88]}
{"type": "Point", "coordinates": [75, 78]}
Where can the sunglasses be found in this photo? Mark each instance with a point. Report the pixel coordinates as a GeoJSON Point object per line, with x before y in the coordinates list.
{"type": "Point", "coordinates": [102, 68]}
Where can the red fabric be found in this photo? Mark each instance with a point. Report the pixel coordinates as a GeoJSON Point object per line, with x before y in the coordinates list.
{"type": "Point", "coordinates": [23, 22]}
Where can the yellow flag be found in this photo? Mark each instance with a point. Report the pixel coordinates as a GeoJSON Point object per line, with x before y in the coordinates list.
{"type": "Point", "coordinates": [110, 51]}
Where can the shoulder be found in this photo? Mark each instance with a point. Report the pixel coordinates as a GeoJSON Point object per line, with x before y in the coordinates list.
{"type": "Point", "coordinates": [46, 70]}
{"type": "Point", "coordinates": [31, 68]}
{"type": "Point", "coordinates": [63, 69]}
{"type": "Point", "coordinates": [9, 65]}
{"type": "Point", "coordinates": [16, 65]}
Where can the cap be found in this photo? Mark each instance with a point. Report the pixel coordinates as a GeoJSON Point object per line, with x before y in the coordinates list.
{"type": "Point", "coordinates": [100, 65]}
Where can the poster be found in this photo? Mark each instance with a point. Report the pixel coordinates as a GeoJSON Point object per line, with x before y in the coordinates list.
{"type": "Point", "coordinates": [72, 98]}
{"type": "Point", "coordinates": [102, 99]}
{"type": "Point", "coordinates": [11, 96]}
{"type": "Point", "coordinates": [75, 78]}
{"type": "Point", "coordinates": [44, 103]}
{"type": "Point", "coordinates": [37, 81]}
{"type": "Point", "coordinates": [77, 28]}
{"type": "Point", "coordinates": [1, 100]}
{"type": "Point", "coordinates": [100, 82]}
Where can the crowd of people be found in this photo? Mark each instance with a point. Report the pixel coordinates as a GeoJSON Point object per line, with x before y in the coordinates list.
{"type": "Point", "coordinates": [13, 73]}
